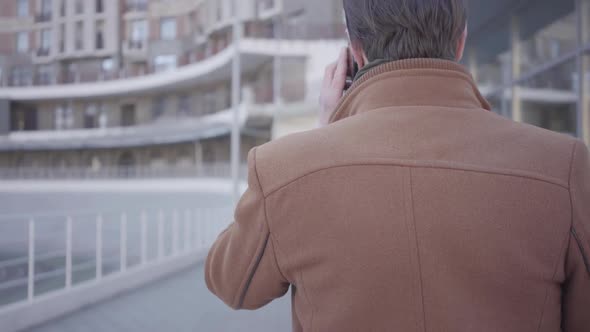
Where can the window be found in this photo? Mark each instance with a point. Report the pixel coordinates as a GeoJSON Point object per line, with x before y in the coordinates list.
{"type": "Point", "coordinates": [62, 38]}
{"type": "Point", "coordinates": [128, 116]}
{"type": "Point", "coordinates": [158, 107]}
{"type": "Point", "coordinates": [547, 38]}
{"type": "Point", "coordinates": [21, 76]}
{"type": "Point", "coordinates": [45, 10]}
{"type": "Point", "coordinates": [102, 116]}
{"type": "Point", "coordinates": [107, 65]}
{"type": "Point", "coordinates": [168, 28]}
{"type": "Point", "coordinates": [79, 35]}
{"type": "Point", "coordinates": [549, 99]}
{"type": "Point", "coordinates": [64, 117]}
{"type": "Point", "coordinates": [138, 34]}
{"type": "Point", "coordinates": [22, 42]}
{"type": "Point", "coordinates": [91, 116]}
{"type": "Point", "coordinates": [99, 6]}
{"type": "Point", "coordinates": [99, 35]}
{"type": "Point", "coordinates": [62, 8]}
{"type": "Point", "coordinates": [45, 42]}
{"type": "Point", "coordinates": [45, 74]}
{"type": "Point", "coordinates": [23, 8]}
{"type": "Point", "coordinates": [184, 105]}
{"type": "Point", "coordinates": [23, 119]}
{"type": "Point", "coordinates": [165, 63]}
{"type": "Point", "coordinates": [79, 6]}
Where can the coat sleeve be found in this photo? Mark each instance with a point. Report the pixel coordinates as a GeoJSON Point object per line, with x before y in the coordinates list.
{"type": "Point", "coordinates": [241, 267]}
{"type": "Point", "coordinates": [576, 296]}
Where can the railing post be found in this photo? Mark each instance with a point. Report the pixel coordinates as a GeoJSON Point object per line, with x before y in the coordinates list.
{"type": "Point", "coordinates": [68, 252]}
{"type": "Point", "coordinates": [143, 238]}
{"type": "Point", "coordinates": [187, 230]}
{"type": "Point", "coordinates": [161, 235]}
{"type": "Point", "coordinates": [175, 234]}
{"type": "Point", "coordinates": [31, 272]}
{"type": "Point", "coordinates": [197, 228]}
{"type": "Point", "coordinates": [99, 247]}
{"type": "Point", "coordinates": [123, 258]}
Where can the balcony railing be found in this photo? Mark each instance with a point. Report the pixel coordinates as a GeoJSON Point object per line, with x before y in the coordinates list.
{"type": "Point", "coordinates": [57, 253]}
{"type": "Point", "coordinates": [42, 52]}
{"type": "Point", "coordinates": [136, 6]}
{"type": "Point", "coordinates": [207, 170]}
{"type": "Point", "coordinates": [43, 17]}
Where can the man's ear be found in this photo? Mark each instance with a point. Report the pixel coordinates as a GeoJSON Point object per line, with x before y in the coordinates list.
{"type": "Point", "coordinates": [359, 55]}
{"type": "Point", "coordinates": [461, 45]}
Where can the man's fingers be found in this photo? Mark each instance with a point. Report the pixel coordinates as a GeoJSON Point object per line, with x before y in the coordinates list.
{"type": "Point", "coordinates": [339, 79]}
{"type": "Point", "coordinates": [329, 75]}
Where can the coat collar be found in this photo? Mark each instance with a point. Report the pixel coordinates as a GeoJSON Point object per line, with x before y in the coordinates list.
{"type": "Point", "coordinates": [411, 82]}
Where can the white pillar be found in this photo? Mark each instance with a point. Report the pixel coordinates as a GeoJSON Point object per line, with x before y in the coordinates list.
{"type": "Point", "coordinates": [236, 86]}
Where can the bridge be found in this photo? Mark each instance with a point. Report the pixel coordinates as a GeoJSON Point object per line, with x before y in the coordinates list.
{"type": "Point", "coordinates": [68, 264]}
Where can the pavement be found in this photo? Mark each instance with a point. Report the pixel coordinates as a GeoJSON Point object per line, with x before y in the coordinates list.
{"type": "Point", "coordinates": [181, 303]}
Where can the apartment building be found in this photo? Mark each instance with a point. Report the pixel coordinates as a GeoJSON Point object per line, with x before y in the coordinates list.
{"type": "Point", "coordinates": [96, 77]}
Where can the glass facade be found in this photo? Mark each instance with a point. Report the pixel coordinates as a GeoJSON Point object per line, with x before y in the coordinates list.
{"type": "Point", "coordinates": [535, 68]}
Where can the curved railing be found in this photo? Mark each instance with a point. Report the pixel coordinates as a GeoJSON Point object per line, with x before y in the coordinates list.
{"type": "Point", "coordinates": [46, 256]}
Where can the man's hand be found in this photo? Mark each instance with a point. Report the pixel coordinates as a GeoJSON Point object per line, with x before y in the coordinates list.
{"type": "Point", "coordinates": [333, 87]}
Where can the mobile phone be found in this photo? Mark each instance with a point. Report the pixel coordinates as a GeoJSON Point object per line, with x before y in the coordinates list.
{"type": "Point", "coordinates": [351, 71]}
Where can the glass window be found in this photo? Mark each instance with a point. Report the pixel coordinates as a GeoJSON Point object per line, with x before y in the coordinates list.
{"type": "Point", "coordinates": [62, 38]}
{"type": "Point", "coordinates": [91, 116]}
{"type": "Point", "coordinates": [23, 8]}
{"type": "Point", "coordinates": [103, 119]}
{"type": "Point", "coordinates": [46, 8]}
{"type": "Point", "coordinates": [184, 105]}
{"type": "Point", "coordinates": [547, 37]}
{"type": "Point", "coordinates": [99, 35]}
{"type": "Point", "coordinates": [108, 65]}
{"type": "Point", "coordinates": [165, 63]}
{"type": "Point", "coordinates": [79, 6]}
{"type": "Point", "coordinates": [549, 99]}
{"type": "Point", "coordinates": [44, 42]}
{"type": "Point", "coordinates": [99, 6]}
{"type": "Point", "coordinates": [168, 28]}
{"type": "Point", "coordinates": [64, 117]}
{"type": "Point", "coordinates": [128, 115]}
{"type": "Point", "coordinates": [21, 76]}
{"type": "Point", "coordinates": [22, 42]}
{"type": "Point", "coordinates": [45, 74]}
{"type": "Point", "coordinates": [79, 35]}
{"type": "Point", "coordinates": [138, 33]}
{"type": "Point", "coordinates": [158, 107]}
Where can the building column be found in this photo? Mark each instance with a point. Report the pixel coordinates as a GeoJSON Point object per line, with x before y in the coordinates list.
{"type": "Point", "coordinates": [4, 117]}
{"type": "Point", "coordinates": [515, 69]}
{"type": "Point", "coordinates": [584, 71]}
{"type": "Point", "coordinates": [472, 63]}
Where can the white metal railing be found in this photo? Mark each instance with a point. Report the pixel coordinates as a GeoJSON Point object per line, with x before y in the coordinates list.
{"type": "Point", "coordinates": [208, 170]}
{"type": "Point", "coordinates": [53, 253]}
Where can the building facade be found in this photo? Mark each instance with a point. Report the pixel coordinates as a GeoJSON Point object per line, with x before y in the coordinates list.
{"type": "Point", "coordinates": [95, 85]}
{"type": "Point", "coordinates": [531, 60]}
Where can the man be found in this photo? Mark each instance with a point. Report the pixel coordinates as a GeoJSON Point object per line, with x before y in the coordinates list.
{"type": "Point", "coordinates": [413, 208]}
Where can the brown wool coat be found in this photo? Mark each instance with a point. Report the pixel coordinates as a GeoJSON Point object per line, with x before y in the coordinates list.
{"type": "Point", "coordinates": [415, 210]}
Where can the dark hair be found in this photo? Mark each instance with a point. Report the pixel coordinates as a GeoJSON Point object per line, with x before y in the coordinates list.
{"type": "Point", "coordinates": [405, 29]}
